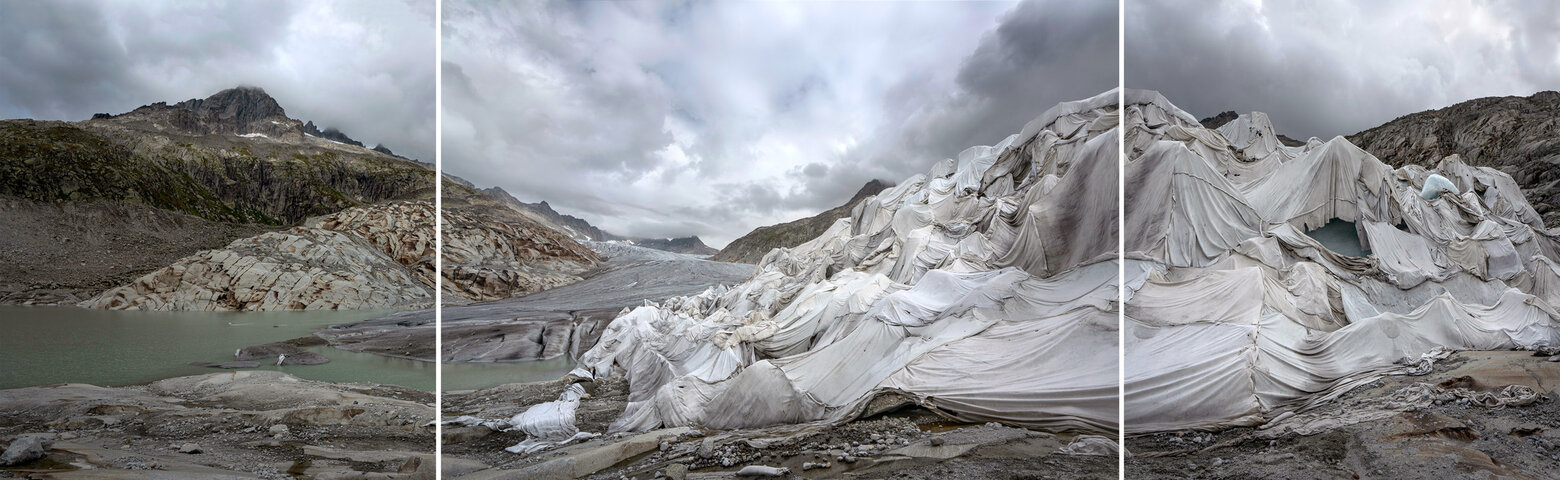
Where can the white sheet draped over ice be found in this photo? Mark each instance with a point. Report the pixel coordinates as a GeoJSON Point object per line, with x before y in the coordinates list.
{"type": "Point", "coordinates": [547, 424]}
{"type": "Point", "coordinates": [1234, 314]}
{"type": "Point", "coordinates": [984, 289]}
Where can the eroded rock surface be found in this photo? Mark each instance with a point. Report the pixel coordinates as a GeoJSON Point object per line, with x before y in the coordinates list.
{"type": "Point", "coordinates": [371, 257]}
{"type": "Point", "coordinates": [492, 252]}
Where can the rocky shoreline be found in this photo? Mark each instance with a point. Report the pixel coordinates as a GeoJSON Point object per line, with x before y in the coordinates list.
{"type": "Point", "coordinates": [909, 443]}
{"type": "Point", "coordinates": [243, 424]}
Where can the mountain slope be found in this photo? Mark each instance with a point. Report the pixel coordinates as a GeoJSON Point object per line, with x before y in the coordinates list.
{"type": "Point", "coordinates": [176, 179]}
{"type": "Point", "coordinates": [232, 157]}
{"type": "Point", "coordinates": [574, 226]}
{"type": "Point", "coordinates": [751, 248]}
{"type": "Point", "coordinates": [689, 245]}
{"type": "Point", "coordinates": [1519, 136]}
{"type": "Point", "coordinates": [581, 230]}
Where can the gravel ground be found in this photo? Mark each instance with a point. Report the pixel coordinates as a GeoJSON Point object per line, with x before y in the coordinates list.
{"type": "Point", "coordinates": [1451, 439]}
{"type": "Point", "coordinates": [247, 424]}
{"type": "Point", "coordinates": [907, 442]}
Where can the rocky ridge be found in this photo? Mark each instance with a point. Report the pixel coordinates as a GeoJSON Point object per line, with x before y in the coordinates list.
{"type": "Point", "coordinates": [232, 157]}
{"type": "Point", "coordinates": [492, 251]}
{"type": "Point", "coordinates": [1520, 136]}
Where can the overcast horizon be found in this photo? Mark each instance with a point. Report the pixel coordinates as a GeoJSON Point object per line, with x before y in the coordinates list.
{"type": "Point", "coordinates": [710, 119]}
{"type": "Point", "coordinates": [363, 67]}
{"type": "Point", "coordinates": [1335, 67]}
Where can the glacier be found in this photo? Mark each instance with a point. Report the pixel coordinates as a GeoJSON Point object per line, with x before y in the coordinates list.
{"type": "Point", "coordinates": [1234, 315]}
{"type": "Point", "coordinates": [985, 289]}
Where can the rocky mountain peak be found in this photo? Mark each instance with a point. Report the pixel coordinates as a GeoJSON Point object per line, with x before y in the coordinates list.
{"type": "Point", "coordinates": [242, 110]}
{"type": "Point", "coordinates": [235, 110]}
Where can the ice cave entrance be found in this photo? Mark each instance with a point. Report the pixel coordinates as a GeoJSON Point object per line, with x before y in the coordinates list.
{"type": "Point", "coordinates": [1341, 237]}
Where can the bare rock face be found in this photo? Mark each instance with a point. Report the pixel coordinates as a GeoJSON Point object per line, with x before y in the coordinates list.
{"type": "Point", "coordinates": [301, 268]}
{"type": "Point", "coordinates": [1519, 136]}
{"type": "Point", "coordinates": [488, 258]}
{"type": "Point", "coordinates": [370, 257]}
{"type": "Point", "coordinates": [402, 230]}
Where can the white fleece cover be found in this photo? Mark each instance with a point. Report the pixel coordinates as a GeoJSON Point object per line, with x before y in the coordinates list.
{"type": "Point", "coordinates": [984, 289]}
{"type": "Point", "coordinates": [1234, 315]}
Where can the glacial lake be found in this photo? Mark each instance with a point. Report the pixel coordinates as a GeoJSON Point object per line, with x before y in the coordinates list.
{"type": "Point", "coordinates": [474, 376]}
{"type": "Point", "coordinates": [48, 345]}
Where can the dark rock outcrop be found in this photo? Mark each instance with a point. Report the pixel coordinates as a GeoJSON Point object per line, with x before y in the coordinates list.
{"type": "Point", "coordinates": [1219, 120]}
{"type": "Point", "coordinates": [1516, 135]}
{"type": "Point", "coordinates": [331, 133]}
{"type": "Point", "coordinates": [752, 247]}
{"type": "Point", "coordinates": [574, 226]}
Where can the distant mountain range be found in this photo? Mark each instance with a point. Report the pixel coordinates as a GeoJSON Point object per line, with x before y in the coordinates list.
{"type": "Point", "coordinates": [749, 248]}
{"type": "Point", "coordinates": [582, 230]}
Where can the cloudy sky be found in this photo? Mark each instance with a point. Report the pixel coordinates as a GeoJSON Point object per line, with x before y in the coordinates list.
{"type": "Point", "coordinates": [1336, 67]}
{"type": "Point", "coordinates": [364, 67]}
{"type": "Point", "coordinates": [712, 118]}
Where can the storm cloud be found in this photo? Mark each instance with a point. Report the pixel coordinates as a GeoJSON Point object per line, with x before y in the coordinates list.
{"type": "Point", "coordinates": [364, 67]}
{"type": "Point", "coordinates": [1335, 67]}
{"type": "Point", "coordinates": [672, 119]}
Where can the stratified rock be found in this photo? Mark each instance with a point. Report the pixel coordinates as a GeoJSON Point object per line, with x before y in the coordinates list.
{"type": "Point", "coordinates": [402, 230]}
{"type": "Point", "coordinates": [302, 268]}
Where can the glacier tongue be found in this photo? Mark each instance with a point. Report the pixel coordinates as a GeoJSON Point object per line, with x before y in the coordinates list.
{"type": "Point", "coordinates": [984, 289]}
{"type": "Point", "coordinates": [1235, 315]}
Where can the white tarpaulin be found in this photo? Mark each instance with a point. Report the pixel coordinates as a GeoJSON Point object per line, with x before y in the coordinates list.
{"type": "Point", "coordinates": [984, 289]}
{"type": "Point", "coordinates": [1235, 314]}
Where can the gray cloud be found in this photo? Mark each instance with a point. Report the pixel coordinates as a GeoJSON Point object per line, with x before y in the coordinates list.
{"type": "Point", "coordinates": [1326, 68]}
{"type": "Point", "coordinates": [363, 67]}
{"type": "Point", "coordinates": [658, 119]}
